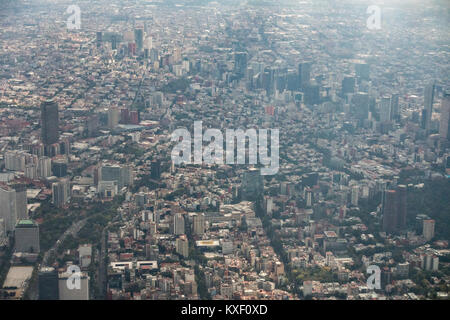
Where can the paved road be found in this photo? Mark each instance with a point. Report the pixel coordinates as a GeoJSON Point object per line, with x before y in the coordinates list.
{"type": "Point", "coordinates": [72, 230]}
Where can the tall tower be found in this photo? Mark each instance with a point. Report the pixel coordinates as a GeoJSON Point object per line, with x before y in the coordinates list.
{"type": "Point", "coordinates": [240, 63]}
{"type": "Point", "coordinates": [385, 109]}
{"type": "Point", "coordinates": [304, 73]}
{"type": "Point", "coordinates": [139, 38]}
{"type": "Point", "coordinates": [445, 117]}
{"type": "Point", "coordinates": [199, 224]}
{"type": "Point", "coordinates": [401, 206]}
{"type": "Point", "coordinates": [49, 122]}
{"type": "Point", "coordinates": [389, 209]}
{"type": "Point", "coordinates": [252, 185]}
{"type": "Point", "coordinates": [428, 107]}
{"type": "Point", "coordinates": [178, 224]}
{"type": "Point", "coordinates": [21, 200]}
{"type": "Point", "coordinates": [8, 211]}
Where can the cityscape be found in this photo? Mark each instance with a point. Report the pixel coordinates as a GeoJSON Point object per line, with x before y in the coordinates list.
{"type": "Point", "coordinates": [224, 150]}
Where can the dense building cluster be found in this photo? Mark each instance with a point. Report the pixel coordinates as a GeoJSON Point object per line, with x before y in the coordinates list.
{"type": "Point", "coordinates": [87, 117]}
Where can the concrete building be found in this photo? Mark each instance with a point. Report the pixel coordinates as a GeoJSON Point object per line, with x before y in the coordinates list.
{"type": "Point", "coordinates": [27, 237]}
{"type": "Point", "coordinates": [182, 246]}
{"type": "Point", "coordinates": [49, 122]}
{"type": "Point", "coordinates": [199, 224]}
{"type": "Point", "coordinates": [8, 210]}
{"type": "Point", "coordinates": [61, 192]}
{"type": "Point", "coordinates": [428, 229]}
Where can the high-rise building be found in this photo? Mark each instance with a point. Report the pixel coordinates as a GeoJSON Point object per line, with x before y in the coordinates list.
{"type": "Point", "coordinates": [93, 123]}
{"type": "Point", "coordinates": [252, 185]}
{"type": "Point", "coordinates": [304, 73]}
{"type": "Point", "coordinates": [115, 172]}
{"type": "Point", "coordinates": [139, 38]}
{"type": "Point", "coordinates": [401, 206]}
{"type": "Point", "coordinates": [428, 107]}
{"type": "Point", "coordinates": [355, 195]}
{"type": "Point", "coordinates": [44, 169]}
{"type": "Point", "coordinates": [389, 210]}
{"type": "Point", "coordinates": [113, 117]}
{"type": "Point", "coordinates": [240, 63]}
{"type": "Point", "coordinates": [21, 200]}
{"type": "Point", "coordinates": [312, 94]}
{"type": "Point", "coordinates": [444, 125]}
{"type": "Point", "coordinates": [385, 109]}
{"type": "Point", "coordinates": [99, 39]}
{"type": "Point", "coordinates": [8, 209]}
{"type": "Point", "coordinates": [362, 70]}
{"type": "Point", "coordinates": [27, 237]}
{"type": "Point", "coordinates": [49, 122]}
{"type": "Point", "coordinates": [48, 284]}
{"type": "Point", "coordinates": [395, 209]}
{"type": "Point", "coordinates": [59, 167]}
{"type": "Point", "coordinates": [395, 112]}
{"type": "Point", "coordinates": [360, 105]}
{"type": "Point", "coordinates": [178, 224]}
{"type": "Point", "coordinates": [182, 246]}
{"type": "Point", "coordinates": [155, 170]}
{"type": "Point", "coordinates": [428, 229]}
{"type": "Point", "coordinates": [199, 224]}
{"type": "Point", "coordinates": [61, 192]}
{"type": "Point", "coordinates": [348, 85]}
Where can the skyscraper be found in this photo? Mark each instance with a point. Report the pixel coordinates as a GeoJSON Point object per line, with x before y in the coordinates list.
{"type": "Point", "coordinates": [428, 229]}
{"type": "Point", "coordinates": [8, 209]}
{"type": "Point", "coordinates": [139, 38]}
{"type": "Point", "coordinates": [401, 206]}
{"type": "Point", "coordinates": [252, 185]}
{"type": "Point", "coordinates": [395, 112]}
{"type": "Point", "coordinates": [385, 109]}
{"type": "Point", "coordinates": [312, 94]}
{"type": "Point", "coordinates": [49, 122]}
{"type": "Point", "coordinates": [348, 85]}
{"type": "Point", "coordinates": [428, 107]}
{"type": "Point", "coordinates": [99, 39]}
{"type": "Point", "coordinates": [395, 209]}
{"type": "Point", "coordinates": [362, 71]}
{"type": "Point", "coordinates": [155, 170]}
{"type": "Point", "coordinates": [178, 224]}
{"type": "Point", "coordinates": [21, 200]}
{"type": "Point", "coordinates": [113, 117]}
{"type": "Point", "coordinates": [360, 105]}
{"type": "Point", "coordinates": [389, 209]}
{"type": "Point", "coordinates": [199, 224]}
{"type": "Point", "coordinates": [304, 73]}
{"type": "Point", "coordinates": [445, 117]}
{"type": "Point", "coordinates": [27, 237]}
{"type": "Point", "coordinates": [240, 64]}
{"type": "Point", "coordinates": [61, 192]}
{"type": "Point", "coordinates": [48, 284]}
{"type": "Point", "coordinates": [182, 246]}
{"type": "Point", "coordinates": [115, 172]}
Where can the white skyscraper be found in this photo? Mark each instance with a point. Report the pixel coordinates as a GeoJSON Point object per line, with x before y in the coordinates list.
{"type": "Point", "coordinates": [199, 224]}
{"type": "Point", "coordinates": [355, 195]}
{"type": "Point", "coordinates": [178, 224]}
{"type": "Point", "coordinates": [428, 229]}
{"type": "Point", "coordinates": [8, 210]}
